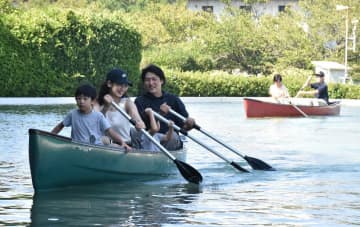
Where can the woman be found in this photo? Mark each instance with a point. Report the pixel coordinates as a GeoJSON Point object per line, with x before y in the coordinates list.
{"type": "Point", "coordinates": [277, 89]}
{"type": "Point", "coordinates": [115, 89]}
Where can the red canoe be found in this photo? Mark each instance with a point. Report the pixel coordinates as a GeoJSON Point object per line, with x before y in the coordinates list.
{"type": "Point", "coordinates": [269, 107]}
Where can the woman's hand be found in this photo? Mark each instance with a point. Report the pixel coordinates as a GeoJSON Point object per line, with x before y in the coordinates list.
{"type": "Point", "coordinates": [108, 100]}
{"type": "Point", "coordinates": [139, 125]}
{"type": "Point", "coordinates": [164, 108]}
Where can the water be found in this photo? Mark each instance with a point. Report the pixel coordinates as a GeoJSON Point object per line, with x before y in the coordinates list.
{"type": "Point", "coordinates": [317, 180]}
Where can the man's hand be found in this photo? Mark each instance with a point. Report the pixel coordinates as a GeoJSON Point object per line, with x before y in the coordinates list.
{"type": "Point", "coordinates": [189, 123]}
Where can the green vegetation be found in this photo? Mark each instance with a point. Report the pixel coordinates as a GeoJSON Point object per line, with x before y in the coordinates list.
{"type": "Point", "coordinates": [50, 51]}
{"type": "Point", "coordinates": [53, 46]}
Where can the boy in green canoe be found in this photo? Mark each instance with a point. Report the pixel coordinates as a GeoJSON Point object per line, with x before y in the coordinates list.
{"type": "Point", "coordinates": [88, 125]}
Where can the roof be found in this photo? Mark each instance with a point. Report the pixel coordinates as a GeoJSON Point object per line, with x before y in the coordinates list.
{"type": "Point", "coordinates": [329, 65]}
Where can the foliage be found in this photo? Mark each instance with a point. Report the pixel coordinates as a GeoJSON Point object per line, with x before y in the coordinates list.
{"type": "Point", "coordinates": [6, 7]}
{"type": "Point", "coordinates": [218, 83]}
{"type": "Point", "coordinates": [14, 64]}
{"type": "Point", "coordinates": [326, 27]}
{"type": "Point", "coordinates": [182, 57]}
{"type": "Point", "coordinates": [72, 41]}
{"type": "Point", "coordinates": [67, 48]}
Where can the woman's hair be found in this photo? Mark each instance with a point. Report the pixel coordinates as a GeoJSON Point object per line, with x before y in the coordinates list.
{"type": "Point", "coordinates": [153, 69]}
{"type": "Point", "coordinates": [277, 77]}
{"type": "Point", "coordinates": [104, 90]}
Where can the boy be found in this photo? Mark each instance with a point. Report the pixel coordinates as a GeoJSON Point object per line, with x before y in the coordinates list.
{"type": "Point", "coordinates": [88, 125]}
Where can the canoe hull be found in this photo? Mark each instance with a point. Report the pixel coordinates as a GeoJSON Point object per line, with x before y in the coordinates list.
{"type": "Point", "coordinates": [56, 161]}
{"type": "Point", "coordinates": [266, 107]}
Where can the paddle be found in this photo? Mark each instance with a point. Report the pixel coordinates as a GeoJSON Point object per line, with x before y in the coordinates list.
{"type": "Point", "coordinates": [184, 132]}
{"type": "Point", "coordinates": [298, 109]}
{"type": "Point", "coordinates": [187, 171]}
{"type": "Point", "coordinates": [297, 94]}
{"type": "Point", "coordinates": [304, 85]}
{"type": "Point", "coordinates": [255, 163]}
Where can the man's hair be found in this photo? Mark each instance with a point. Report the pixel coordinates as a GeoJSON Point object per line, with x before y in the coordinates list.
{"type": "Point", "coordinates": [153, 69]}
{"type": "Point", "coordinates": [86, 90]}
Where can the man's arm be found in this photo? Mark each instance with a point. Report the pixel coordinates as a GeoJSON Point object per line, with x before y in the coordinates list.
{"type": "Point", "coordinates": [188, 123]}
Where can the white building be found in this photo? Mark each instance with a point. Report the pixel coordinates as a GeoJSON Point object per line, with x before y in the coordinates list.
{"type": "Point", "coordinates": [272, 7]}
{"type": "Point", "coordinates": [334, 72]}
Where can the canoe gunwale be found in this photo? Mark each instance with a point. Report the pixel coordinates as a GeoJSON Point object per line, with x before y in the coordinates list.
{"type": "Point", "coordinates": [88, 145]}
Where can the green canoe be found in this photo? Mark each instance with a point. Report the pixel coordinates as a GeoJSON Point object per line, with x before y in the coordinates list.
{"type": "Point", "coordinates": [56, 161]}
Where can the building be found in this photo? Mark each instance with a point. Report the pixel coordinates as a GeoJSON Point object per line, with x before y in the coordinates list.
{"type": "Point", "coordinates": [271, 7]}
{"type": "Point", "coordinates": [334, 72]}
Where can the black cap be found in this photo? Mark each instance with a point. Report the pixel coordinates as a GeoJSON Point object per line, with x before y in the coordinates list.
{"type": "Point", "coordinates": [320, 74]}
{"type": "Point", "coordinates": [118, 76]}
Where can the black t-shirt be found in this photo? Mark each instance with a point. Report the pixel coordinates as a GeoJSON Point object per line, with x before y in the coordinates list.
{"type": "Point", "coordinates": [148, 100]}
{"type": "Point", "coordinates": [322, 91]}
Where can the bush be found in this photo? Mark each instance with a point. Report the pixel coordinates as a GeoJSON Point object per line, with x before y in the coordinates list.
{"type": "Point", "coordinates": [217, 83]}
{"type": "Point", "coordinates": [59, 49]}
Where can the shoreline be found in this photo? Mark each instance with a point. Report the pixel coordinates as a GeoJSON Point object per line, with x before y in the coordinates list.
{"type": "Point", "coordinates": [15, 101]}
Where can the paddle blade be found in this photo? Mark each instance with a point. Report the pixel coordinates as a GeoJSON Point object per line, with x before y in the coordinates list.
{"type": "Point", "coordinates": [239, 167]}
{"type": "Point", "coordinates": [188, 172]}
{"type": "Point", "coordinates": [258, 164]}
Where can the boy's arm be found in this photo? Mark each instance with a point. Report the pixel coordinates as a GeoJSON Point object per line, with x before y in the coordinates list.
{"type": "Point", "coordinates": [117, 138]}
{"type": "Point", "coordinates": [57, 128]}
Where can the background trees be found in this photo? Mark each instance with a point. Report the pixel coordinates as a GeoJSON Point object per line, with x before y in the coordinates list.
{"type": "Point", "coordinates": [182, 41]}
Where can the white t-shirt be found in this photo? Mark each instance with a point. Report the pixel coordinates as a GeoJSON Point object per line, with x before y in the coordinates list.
{"type": "Point", "coordinates": [278, 92]}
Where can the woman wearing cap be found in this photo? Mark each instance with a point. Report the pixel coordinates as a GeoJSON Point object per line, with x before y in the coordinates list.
{"type": "Point", "coordinates": [115, 89]}
{"type": "Point", "coordinates": [321, 89]}
{"type": "Point", "coordinates": [277, 89]}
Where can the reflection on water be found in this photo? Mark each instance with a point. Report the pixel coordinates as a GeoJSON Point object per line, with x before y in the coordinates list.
{"type": "Point", "coordinates": [113, 204]}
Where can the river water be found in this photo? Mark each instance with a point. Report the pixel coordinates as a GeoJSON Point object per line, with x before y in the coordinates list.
{"type": "Point", "coordinates": [317, 182]}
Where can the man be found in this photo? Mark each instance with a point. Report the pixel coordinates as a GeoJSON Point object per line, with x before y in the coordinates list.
{"type": "Point", "coordinates": [321, 89]}
{"type": "Point", "coordinates": [153, 79]}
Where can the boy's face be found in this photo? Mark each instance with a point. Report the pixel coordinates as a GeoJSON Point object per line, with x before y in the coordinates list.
{"type": "Point", "coordinates": [84, 103]}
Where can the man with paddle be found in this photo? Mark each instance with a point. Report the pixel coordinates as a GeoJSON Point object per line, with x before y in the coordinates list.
{"type": "Point", "coordinates": [321, 89]}
{"type": "Point", "coordinates": [153, 79]}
